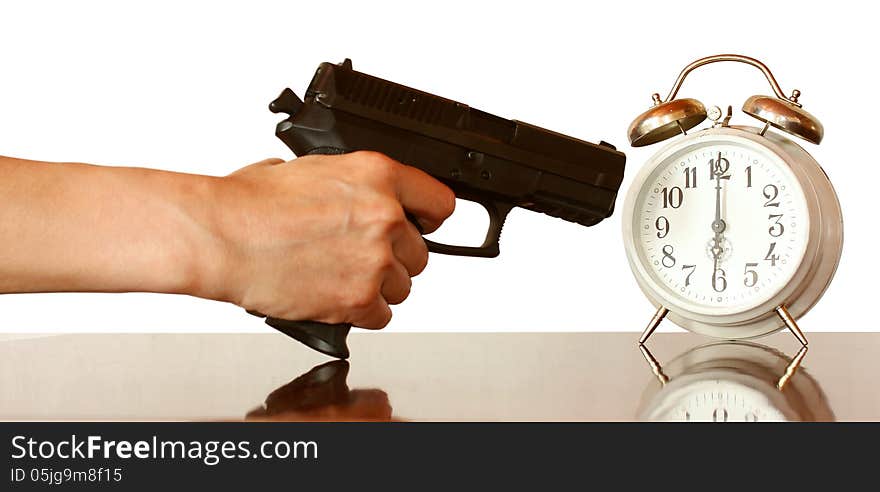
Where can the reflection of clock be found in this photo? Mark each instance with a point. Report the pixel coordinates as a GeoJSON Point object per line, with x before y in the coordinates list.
{"type": "Point", "coordinates": [731, 231]}
{"type": "Point", "coordinates": [733, 382]}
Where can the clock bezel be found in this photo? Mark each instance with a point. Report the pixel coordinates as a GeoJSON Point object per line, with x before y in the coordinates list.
{"type": "Point", "coordinates": [814, 271]}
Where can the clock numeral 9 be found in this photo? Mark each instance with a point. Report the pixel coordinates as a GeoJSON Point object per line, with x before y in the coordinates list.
{"type": "Point", "coordinates": [662, 225]}
{"type": "Point", "coordinates": [672, 197]}
{"type": "Point", "coordinates": [771, 192]}
{"type": "Point", "coordinates": [719, 283]}
{"type": "Point", "coordinates": [777, 228]}
{"type": "Point", "coordinates": [751, 275]}
{"type": "Point", "coordinates": [668, 260]}
{"type": "Point", "coordinates": [770, 256]}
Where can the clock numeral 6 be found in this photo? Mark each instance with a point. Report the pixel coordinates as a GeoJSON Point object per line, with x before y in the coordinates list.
{"type": "Point", "coordinates": [672, 197]}
{"type": "Point", "coordinates": [668, 260]}
{"type": "Point", "coordinates": [719, 283]}
{"type": "Point", "coordinates": [751, 275]}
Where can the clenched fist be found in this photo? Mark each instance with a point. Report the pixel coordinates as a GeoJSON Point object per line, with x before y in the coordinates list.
{"type": "Point", "coordinates": [325, 238]}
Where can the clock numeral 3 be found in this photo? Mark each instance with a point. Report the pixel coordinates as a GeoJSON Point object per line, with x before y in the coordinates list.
{"type": "Point", "coordinates": [777, 228]}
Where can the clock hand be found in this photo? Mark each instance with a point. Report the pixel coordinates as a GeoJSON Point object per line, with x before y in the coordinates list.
{"type": "Point", "coordinates": [718, 225]}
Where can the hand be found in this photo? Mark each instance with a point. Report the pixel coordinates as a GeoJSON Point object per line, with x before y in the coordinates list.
{"type": "Point", "coordinates": [718, 225]}
{"type": "Point", "coordinates": [324, 238]}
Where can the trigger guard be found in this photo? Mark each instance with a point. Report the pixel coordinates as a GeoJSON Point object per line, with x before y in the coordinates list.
{"type": "Point", "coordinates": [490, 248]}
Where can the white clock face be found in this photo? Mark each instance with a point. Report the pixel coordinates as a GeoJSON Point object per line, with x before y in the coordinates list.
{"type": "Point", "coordinates": [719, 401]}
{"type": "Point", "coordinates": [721, 225]}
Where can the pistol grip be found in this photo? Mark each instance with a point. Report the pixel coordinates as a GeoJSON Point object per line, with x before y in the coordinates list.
{"type": "Point", "coordinates": [326, 338]}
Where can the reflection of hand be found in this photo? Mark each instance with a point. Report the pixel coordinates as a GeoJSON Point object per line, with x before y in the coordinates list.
{"type": "Point", "coordinates": [323, 394]}
{"type": "Point", "coordinates": [360, 405]}
{"type": "Point", "coordinates": [324, 237]}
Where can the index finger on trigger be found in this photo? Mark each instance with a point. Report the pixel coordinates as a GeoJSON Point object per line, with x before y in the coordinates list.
{"type": "Point", "coordinates": [422, 196]}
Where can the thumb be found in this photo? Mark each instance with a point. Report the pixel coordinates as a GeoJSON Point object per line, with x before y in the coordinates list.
{"type": "Point", "coordinates": [264, 163]}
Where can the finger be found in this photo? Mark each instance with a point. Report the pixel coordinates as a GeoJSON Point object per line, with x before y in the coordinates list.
{"type": "Point", "coordinates": [397, 284]}
{"type": "Point", "coordinates": [410, 249]}
{"type": "Point", "coordinates": [375, 316]}
{"type": "Point", "coordinates": [429, 200]}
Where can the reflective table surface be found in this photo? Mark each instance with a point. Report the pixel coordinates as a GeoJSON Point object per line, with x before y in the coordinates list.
{"type": "Point", "coordinates": [432, 376]}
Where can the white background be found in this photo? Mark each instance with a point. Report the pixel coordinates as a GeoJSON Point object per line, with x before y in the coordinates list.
{"type": "Point", "coordinates": [185, 87]}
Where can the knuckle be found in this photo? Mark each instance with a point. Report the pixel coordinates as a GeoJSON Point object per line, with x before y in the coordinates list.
{"type": "Point", "coordinates": [383, 259]}
{"type": "Point", "coordinates": [377, 165]}
{"type": "Point", "coordinates": [386, 213]}
{"type": "Point", "coordinates": [362, 297]}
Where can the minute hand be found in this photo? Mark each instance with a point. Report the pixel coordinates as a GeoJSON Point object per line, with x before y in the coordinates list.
{"type": "Point", "coordinates": [718, 225]}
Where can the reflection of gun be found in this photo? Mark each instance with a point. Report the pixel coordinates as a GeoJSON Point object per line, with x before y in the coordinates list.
{"type": "Point", "coordinates": [496, 162]}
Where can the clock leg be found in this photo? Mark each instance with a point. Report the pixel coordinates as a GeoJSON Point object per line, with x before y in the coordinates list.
{"type": "Point", "coordinates": [656, 368]}
{"type": "Point", "coordinates": [791, 324]}
{"type": "Point", "coordinates": [653, 324]}
{"type": "Point", "coordinates": [792, 368]}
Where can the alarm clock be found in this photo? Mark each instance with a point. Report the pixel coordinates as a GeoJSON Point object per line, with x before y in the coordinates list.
{"type": "Point", "coordinates": [733, 382]}
{"type": "Point", "coordinates": [731, 231]}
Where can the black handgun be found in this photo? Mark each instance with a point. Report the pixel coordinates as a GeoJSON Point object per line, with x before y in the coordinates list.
{"type": "Point", "coordinates": [495, 162]}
